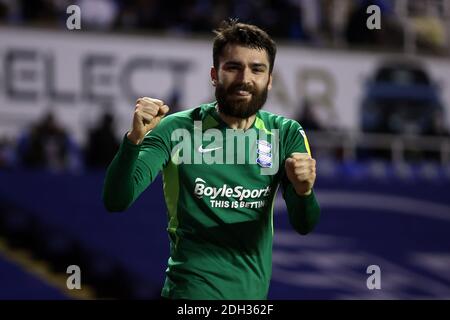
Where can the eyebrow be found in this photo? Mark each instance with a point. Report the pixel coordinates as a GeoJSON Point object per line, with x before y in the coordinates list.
{"type": "Point", "coordinates": [237, 63]}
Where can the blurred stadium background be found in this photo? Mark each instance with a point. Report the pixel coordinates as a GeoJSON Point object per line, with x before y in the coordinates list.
{"type": "Point", "coordinates": [375, 105]}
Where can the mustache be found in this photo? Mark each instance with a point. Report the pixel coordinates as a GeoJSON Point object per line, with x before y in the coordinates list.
{"type": "Point", "coordinates": [243, 87]}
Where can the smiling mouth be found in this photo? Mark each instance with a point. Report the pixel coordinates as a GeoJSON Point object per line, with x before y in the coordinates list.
{"type": "Point", "coordinates": [242, 93]}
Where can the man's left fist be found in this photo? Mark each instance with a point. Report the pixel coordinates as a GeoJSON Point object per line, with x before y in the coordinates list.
{"type": "Point", "coordinates": [301, 171]}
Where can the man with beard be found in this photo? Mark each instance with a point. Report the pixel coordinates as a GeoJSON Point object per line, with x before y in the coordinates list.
{"type": "Point", "coordinates": [220, 215]}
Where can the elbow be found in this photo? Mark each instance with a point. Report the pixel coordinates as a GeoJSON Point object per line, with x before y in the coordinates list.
{"type": "Point", "coordinates": [306, 226]}
{"type": "Point", "coordinates": [114, 206]}
{"type": "Point", "coordinates": [303, 229]}
{"type": "Point", "coordinates": [112, 202]}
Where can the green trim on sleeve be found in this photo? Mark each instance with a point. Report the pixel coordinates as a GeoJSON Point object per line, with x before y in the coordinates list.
{"type": "Point", "coordinates": [259, 124]}
{"type": "Point", "coordinates": [171, 188]}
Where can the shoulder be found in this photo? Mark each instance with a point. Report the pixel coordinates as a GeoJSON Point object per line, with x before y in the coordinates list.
{"type": "Point", "coordinates": [276, 121]}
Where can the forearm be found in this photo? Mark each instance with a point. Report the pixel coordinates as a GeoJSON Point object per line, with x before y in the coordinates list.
{"type": "Point", "coordinates": [123, 177]}
{"type": "Point", "coordinates": [304, 211]}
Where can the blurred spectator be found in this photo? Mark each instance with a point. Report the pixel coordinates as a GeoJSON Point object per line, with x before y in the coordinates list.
{"type": "Point", "coordinates": [306, 20]}
{"type": "Point", "coordinates": [47, 146]}
{"type": "Point", "coordinates": [145, 15]}
{"type": "Point", "coordinates": [357, 32]}
{"type": "Point", "coordinates": [388, 104]}
{"type": "Point", "coordinates": [308, 118]}
{"type": "Point", "coordinates": [6, 153]}
{"type": "Point", "coordinates": [174, 99]}
{"type": "Point", "coordinates": [98, 14]}
{"type": "Point", "coordinates": [438, 126]}
{"type": "Point", "coordinates": [4, 10]}
{"type": "Point", "coordinates": [102, 143]}
{"type": "Point", "coordinates": [198, 15]}
{"type": "Point", "coordinates": [429, 29]}
{"type": "Point", "coordinates": [316, 22]}
{"type": "Point", "coordinates": [439, 129]}
{"type": "Point", "coordinates": [41, 12]}
{"type": "Point", "coordinates": [334, 21]}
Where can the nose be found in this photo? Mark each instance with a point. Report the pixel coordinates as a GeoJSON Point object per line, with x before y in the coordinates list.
{"type": "Point", "coordinates": [246, 76]}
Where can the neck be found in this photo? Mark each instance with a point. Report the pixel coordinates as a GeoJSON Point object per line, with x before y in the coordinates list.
{"type": "Point", "coordinates": [237, 123]}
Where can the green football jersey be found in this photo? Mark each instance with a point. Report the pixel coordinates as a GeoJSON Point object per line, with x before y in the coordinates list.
{"type": "Point", "coordinates": [219, 186]}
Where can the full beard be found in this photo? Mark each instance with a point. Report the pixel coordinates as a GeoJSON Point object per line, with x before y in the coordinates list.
{"type": "Point", "coordinates": [239, 107]}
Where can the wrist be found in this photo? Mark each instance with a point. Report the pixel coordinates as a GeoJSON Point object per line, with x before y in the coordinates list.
{"type": "Point", "coordinates": [134, 138]}
{"type": "Point", "coordinates": [302, 192]}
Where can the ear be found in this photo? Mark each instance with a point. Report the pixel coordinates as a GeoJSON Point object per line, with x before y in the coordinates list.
{"type": "Point", "coordinates": [269, 86]}
{"type": "Point", "coordinates": [214, 76]}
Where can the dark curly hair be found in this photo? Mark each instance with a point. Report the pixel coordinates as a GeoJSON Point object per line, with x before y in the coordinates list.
{"type": "Point", "coordinates": [233, 32]}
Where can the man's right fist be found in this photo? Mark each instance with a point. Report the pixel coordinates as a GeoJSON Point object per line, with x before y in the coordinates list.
{"type": "Point", "coordinates": [147, 115]}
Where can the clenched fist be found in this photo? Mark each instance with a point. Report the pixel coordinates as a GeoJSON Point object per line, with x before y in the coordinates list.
{"type": "Point", "coordinates": [147, 115]}
{"type": "Point", "coordinates": [301, 171]}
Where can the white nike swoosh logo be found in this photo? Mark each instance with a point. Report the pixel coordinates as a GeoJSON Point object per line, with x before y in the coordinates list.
{"type": "Point", "coordinates": [201, 150]}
